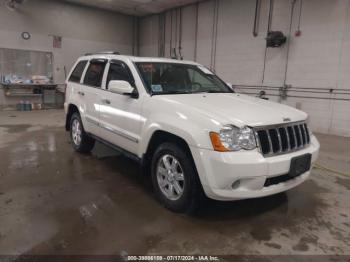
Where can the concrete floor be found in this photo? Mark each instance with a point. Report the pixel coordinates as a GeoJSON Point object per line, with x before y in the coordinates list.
{"type": "Point", "coordinates": [56, 201]}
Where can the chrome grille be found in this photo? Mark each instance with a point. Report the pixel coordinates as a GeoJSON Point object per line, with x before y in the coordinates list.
{"type": "Point", "coordinates": [281, 139]}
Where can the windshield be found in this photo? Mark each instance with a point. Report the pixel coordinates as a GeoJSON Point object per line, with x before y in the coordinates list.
{"type": "Point", "coordinates": [175, 78]}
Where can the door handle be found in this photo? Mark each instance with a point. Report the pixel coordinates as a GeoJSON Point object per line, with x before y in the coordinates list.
{"type": "Point", "coordinates": [106, 101]}
{"type": "Point", "coordinates": [81, 93]}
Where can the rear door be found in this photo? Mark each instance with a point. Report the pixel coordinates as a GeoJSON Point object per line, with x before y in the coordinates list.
{"type": "Point", "coordinates": [91, 94]}
{"type": "Point", "coordinates": [74, 84]}
{"type": "Point", "coordinates": [120, 115]}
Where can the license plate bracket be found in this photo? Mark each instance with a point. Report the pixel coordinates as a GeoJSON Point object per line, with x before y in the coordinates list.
{"type": "Point", "coordinates": [300, 165]}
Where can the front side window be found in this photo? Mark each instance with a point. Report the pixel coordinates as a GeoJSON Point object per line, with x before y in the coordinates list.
{"type": "Point", "coordinates": [94, 73]}
{"type": "Point", "coordinates": [119, 71]}
{"type": "Point", "coordinates": [176, 78]}
{"type": "Point", "coordinates": [77, 72]}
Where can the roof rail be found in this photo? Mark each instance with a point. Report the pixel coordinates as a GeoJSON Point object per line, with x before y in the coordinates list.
{"type": "Point", "coordinates": [104, 53]}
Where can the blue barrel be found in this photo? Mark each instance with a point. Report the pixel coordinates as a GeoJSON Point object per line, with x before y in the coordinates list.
{"type": "Point", "coordinates": [27, 106]}
{"type": "Point", "coordinates": [21, 105]}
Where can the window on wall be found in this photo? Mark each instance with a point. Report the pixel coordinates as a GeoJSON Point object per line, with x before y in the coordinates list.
{"type": "Point", "coordinates": [119, 71]}
{"type": "Point", "coordinates": [94, 73]}
{"type": "Point", "coordinates": [24, 66]}
{"type": "Point", "coordinates": [77, 72]}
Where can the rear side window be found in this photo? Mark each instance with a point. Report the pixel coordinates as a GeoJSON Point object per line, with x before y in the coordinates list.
{"type": "Point", "coordinates": [77, 72]}
{"type": "Point", "coordinates": [94, 73]}
{"type": "Point", "coordinates": [119, 71]}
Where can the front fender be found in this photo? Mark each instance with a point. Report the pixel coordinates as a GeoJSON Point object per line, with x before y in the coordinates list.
{"type": "Point", "coordinates": [194, 134]}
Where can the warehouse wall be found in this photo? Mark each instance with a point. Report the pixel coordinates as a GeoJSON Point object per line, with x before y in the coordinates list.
{"type": "Point", "coordinates": [318, 64]}
{"type": "Point", "coordinates": [82, 29]}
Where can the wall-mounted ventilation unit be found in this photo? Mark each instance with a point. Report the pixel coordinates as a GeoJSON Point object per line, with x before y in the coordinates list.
{"type": "Point", "coordinates": [275, 39]}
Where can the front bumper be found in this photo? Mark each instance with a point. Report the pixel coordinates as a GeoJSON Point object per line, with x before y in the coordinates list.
{"type": "Point", "coordinates": [218, 171]}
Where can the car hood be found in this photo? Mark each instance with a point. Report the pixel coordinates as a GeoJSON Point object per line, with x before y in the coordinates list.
{"type": "Point", "coordinates": [235, 109]}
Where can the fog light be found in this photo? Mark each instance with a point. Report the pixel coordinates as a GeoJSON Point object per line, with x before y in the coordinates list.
{"type": "Point", "coordinates": [236, 184]}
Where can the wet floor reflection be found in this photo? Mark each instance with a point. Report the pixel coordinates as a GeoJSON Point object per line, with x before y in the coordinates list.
{"type": "Point", "coordinates": [57, 201]}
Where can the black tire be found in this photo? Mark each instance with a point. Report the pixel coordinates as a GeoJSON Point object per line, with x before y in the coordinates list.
{"type": "Point", "coordinates": [193, 195]}
{"type": "Point", "coordinates": [86, 143]}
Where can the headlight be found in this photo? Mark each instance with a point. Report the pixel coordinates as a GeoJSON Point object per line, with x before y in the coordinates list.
{"type": "Point", "coordinates": [231, 138]}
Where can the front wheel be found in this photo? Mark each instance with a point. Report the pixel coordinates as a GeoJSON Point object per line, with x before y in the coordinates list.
{"type": "Point", "coordinates": [175, 178]}
{"type": "Point", "coordinates": [81, 142]}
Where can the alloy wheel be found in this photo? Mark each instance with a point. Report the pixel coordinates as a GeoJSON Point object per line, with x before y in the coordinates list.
{"type": "Point", "coordinates": [170, 177]}
{"type": "Point", "coordinates": [76, 132]}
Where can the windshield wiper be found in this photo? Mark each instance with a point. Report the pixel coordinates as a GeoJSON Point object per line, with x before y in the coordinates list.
{"type": "Point", "coordinates": [172, 92]}
{"type": "Point", "coordinates": [217, 91]}
{"type": "Point", "coordinates": [178, 92]}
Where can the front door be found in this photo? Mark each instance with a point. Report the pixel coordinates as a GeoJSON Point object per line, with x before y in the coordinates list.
{"type": "Point", "coordinates": [120, 115]}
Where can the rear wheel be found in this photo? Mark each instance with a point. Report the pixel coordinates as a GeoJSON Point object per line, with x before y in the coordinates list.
{"type": "Point", "coordinates": [175, 178]}
{"type": "Point", "coordinates": [81, 142]}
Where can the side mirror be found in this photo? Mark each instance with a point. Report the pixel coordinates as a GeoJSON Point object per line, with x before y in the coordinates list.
{"type": "Point", "coordinates": [120, 87]}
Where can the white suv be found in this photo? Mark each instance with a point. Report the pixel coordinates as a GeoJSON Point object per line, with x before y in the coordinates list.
{"type": "Point", "coordinates": [189, 130]}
